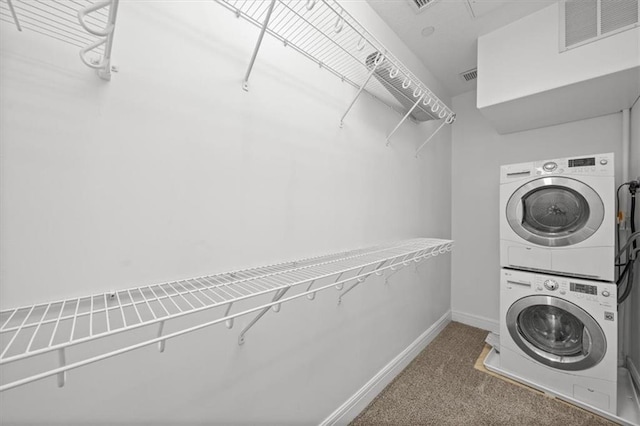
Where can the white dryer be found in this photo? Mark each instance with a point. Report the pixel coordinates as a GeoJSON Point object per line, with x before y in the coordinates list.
{"type": "Point", "coordinates": [558, 216]}
{"type": "Point", "coordinates": [561, 334]}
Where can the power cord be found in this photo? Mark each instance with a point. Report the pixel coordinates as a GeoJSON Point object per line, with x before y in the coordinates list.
{"type": "Point", "coordinates": [631, 250]}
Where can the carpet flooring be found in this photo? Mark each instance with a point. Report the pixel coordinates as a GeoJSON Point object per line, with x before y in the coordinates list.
{"type": "Point", "coordinates": [441, 387]}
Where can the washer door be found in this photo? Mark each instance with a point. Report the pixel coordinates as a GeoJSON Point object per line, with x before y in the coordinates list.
{"type": "Point", "coordinates": [556, 332]}
{"type": "Point", "coordinates": [555, 211]}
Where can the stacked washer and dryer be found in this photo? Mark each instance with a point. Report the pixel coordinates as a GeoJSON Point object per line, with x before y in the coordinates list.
{"type": "Point", "coordinates": [558, 299]}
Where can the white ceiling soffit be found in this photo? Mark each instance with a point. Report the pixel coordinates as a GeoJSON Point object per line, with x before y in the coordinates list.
{"type": "Point", "coordinates": [452, 48]}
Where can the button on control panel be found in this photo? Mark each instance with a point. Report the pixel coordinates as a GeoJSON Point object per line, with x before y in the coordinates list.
{"type": "Point", "coordinates": [550, 166]}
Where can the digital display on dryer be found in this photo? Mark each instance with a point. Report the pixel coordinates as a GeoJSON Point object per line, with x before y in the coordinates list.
{"type": "Point", "coordinates": [584, 288]}
{"type": "Point", "coordinates": [582, 162]}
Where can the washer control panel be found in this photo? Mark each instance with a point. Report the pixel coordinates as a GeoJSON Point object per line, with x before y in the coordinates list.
{"type": "Point", "coordinates": [573, 289]}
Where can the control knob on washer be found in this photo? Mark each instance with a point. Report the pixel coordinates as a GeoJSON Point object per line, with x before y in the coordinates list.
{"type": "Point", "coordinates": [551, 285]}
{"type": "Point", "coordinates": [605, 293]}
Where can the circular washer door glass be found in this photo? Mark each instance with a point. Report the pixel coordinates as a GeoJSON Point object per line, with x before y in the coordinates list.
{"type": "Point", "coordinates": [552, 330]}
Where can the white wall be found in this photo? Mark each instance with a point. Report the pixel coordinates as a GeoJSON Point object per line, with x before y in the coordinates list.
{"type": "Point", "coordinates": [526, 83]}
{"type": "Point", "coordinates": [522, 58]}
{"type": "Point", "coordinates": [478, 152]}
{"type": "Point", "coordinates": [171, 171]}
{"type": "Point", "coordinates": [634, 302]}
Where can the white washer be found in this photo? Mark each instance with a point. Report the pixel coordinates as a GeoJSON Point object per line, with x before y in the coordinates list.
{"type": "Point", "coordinates": [558, 216]}
{"type": "Point", "coordinates": [560, 333]}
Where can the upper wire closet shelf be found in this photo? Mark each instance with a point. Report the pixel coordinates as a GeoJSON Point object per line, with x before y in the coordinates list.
{"type": "Point", "coordinates": [41, 329]}
{"type": "Point", "coordinates": [86, 24]}
{"type": "Point", "coordinates": [327, 34]}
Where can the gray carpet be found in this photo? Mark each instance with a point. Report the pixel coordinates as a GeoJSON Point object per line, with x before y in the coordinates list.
{"type": "Point", "coordinates": [441, 387]}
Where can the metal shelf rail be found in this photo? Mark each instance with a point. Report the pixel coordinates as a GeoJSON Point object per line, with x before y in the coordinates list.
{"type": "Point", "coordinates": [324, 32]}
{"type": "Point", "coordinates": [46, 328]}
{"type": "Point", "coordinates": [87, 24]}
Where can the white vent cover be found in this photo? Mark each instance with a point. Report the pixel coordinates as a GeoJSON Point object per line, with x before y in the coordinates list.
{"type": "Point", "coordinates": [584, 21]}
{"type": "Point", "coordinates": [420, 5]}
{"type": "Point", "coordinates": [469, 75]}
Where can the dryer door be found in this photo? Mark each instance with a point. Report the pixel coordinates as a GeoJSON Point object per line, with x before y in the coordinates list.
{"type": "Point", "coordinates": [555, 211]}
{"type": "Point", "coordinates": [556, 332]}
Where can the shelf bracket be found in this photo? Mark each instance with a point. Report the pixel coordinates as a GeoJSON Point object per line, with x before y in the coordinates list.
{"type": "Point", "coordinates": [395, 267]}
{"type": "Point", "coordinates": [377, 271]}
{"type": "Point", "coordinates": [341, 285]}
{"type": "Point", "coordinates": [62, 360]}
{"type": "Point", "coordinates": [245, 82]}
{"type": "Point", "coordinates": [311, 296]}
{"type": "Point", "coordinates": [102, 66]}
{"type": "Point", "coordinates": [13, 13]}
{"type": "Point", "coordinates": [264, 310]}
{"type": "Point", "coordinates": [378, 61]}
{"type": "Point", "coordinates": [359, 280]}
{"type": "Point", "coordinates": [404, 118]}
{"type": "Point", "coordinates": [430, 137]}
{"type": "Point", "coordinates": [161, 344]}
{"type": "Point", "coordinates": [229, 322]}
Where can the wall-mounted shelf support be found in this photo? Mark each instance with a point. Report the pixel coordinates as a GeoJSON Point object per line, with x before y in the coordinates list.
{"type": "Point", "coordinates": [430, 137]}
{"type": "Point", "coordinates": [377, 62]}
{"type": "Point", "coordinates": [102, 66]}
{"type": "Point", "coordinates": [161, 343]}
{"type": "Point", "coordinates": [228, 322]}
{"type": "Point", "coordinates": [311, 295]}
{"type": "Point", "coordinates": [38, 330]}
{"type": "Point", "coordinates": [354, 285]}
{"type": "Point", "coordinates": [62, 361]}
{"type": "Point", "coordinates": [245, 82]}
{"type": "Point", "coordinates": [276, 308]}
{"type": "Point", "coordinates": [421, 96]}
{"type": "Point", "coordinates": [324, 32]}
{"type": "Point", "coordinates": [55, 19]}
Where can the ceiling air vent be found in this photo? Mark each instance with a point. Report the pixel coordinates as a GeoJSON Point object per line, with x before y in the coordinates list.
{"type": "Point", "coordinates": [469, 75]}
{"type": "Point", "coordinates": [585, 21]}
{"type": "Point", "coordinates": [420, 5]}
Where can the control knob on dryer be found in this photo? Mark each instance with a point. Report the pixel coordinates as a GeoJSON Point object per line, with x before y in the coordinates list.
{"type": "Point", "coordinates": [551, 284]}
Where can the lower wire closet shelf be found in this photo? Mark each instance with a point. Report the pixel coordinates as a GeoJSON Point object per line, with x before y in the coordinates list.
{"type": "Point", "coordinates": [45, 328]}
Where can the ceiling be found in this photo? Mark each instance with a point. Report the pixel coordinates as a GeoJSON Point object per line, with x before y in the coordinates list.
{"type": "Point", "coordinates": [452, 48]}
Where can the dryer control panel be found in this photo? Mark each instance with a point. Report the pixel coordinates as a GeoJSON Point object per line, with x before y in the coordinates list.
{"type": "Point", "coordinates": [600, 165]}
{"type": "Point", "coordinates": [590, 165]}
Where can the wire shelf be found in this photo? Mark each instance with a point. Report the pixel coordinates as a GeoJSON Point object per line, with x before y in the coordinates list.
{"type": "Point", "coordinates": [37, 330]}
{"type": "Point", "coordinates": [324, 32]}
{"type": "Point", "coordinates": [86, 24]}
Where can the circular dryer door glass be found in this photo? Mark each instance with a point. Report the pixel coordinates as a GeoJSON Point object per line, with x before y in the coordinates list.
{"type": "Point", "coordinates": [555, 211]}
{"type": "Point", "coordinates": [552, 329]}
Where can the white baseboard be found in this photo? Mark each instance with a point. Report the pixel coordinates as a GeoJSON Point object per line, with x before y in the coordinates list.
{"type": "Point", "coordinates": [633, 371]}
{"type": "Point", "coordinates": [359, 400]}
{"type": "Point", "coordinates": [476, 321]}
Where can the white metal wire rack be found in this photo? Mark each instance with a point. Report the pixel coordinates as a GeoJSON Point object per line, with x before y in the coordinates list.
{"type": "Point", "coordinates": [38, 330]}
{"type": "Point", "coordinates": [87, 24]}
{"type": "Point", "coordinates": [327, 34]}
